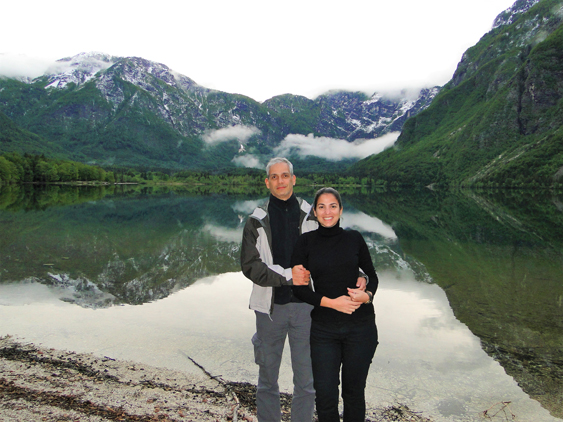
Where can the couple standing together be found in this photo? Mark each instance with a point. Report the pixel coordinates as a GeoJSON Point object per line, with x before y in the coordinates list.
{"type": "Point", "coordinates": [314, 283]}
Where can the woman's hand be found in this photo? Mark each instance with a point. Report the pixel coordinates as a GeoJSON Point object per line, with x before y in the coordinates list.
{"type": "Point", "coordinates": [358, 295]}
{"type": "Point", "coordinates": [343, 304]}
{"type": "Point", "coordinates": [300, 275]}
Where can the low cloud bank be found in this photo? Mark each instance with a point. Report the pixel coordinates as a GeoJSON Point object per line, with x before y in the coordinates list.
{"type": "Point", "coordinates": [363, 222]}
{"type": "Point", "coordinates": [334, 149]}
{"type": "Point", "coordinates": [22, 66]}
{"type": "Point", "coordinates": [248, 161]}
{"type": "Point", "coordinates": [246, 207]}
{"type": "Point", "coordinates": [223, 234]}
{"type": "Point", "coordinates": [240, 133]}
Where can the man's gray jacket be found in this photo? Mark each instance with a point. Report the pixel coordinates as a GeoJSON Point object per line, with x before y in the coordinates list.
{"type": "Point", "coordinates": [256, 255]}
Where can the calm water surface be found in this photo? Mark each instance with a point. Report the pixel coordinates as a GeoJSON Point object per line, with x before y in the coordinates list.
{"type": "Point", "coordinates": [469, 308]}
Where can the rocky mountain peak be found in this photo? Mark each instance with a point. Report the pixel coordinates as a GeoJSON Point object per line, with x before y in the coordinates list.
{"type": "Point", "coordinates": [78, 69]}
{"type": "Point", "coordinates": [82, 67]}
{"type": "Point", "coordinates": [143, 72]}
{"type": "Point", "coordinates": [511, 14]}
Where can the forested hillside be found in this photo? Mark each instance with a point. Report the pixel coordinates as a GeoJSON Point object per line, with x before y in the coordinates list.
{"type": "Point", "coordinates": [15, 139]}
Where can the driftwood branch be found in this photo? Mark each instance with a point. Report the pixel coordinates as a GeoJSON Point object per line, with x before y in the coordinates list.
{"type": "Point", "coordinates": [223, 383]}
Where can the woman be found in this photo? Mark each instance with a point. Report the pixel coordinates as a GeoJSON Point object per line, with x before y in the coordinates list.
{"type": "Point", "coordinates": [343, 330]}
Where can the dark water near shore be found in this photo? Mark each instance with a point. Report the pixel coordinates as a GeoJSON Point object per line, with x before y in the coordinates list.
{"type": "Point", "coordinates": [470, 309]}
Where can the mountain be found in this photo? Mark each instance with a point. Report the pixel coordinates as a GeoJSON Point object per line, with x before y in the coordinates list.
{"type": "Point", "coordinates": [131, 111]}
{"type": "Point", "coordinates": [349, 115]}
{"type": "Point", "coordinates": [498, 121]}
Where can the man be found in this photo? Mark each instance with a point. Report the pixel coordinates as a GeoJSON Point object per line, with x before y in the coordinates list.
{"type": "Point", "coordinates": [267, 244]}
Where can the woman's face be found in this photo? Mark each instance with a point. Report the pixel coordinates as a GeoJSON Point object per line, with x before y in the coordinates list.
{"type": "Point", "coordinates": [328, 210]}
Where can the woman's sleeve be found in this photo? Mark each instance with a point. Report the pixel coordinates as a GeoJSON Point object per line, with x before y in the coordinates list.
{"type": "Point", "coordinates": [299, 257]}
{"type": "Point", "coordinates": [366, 265]}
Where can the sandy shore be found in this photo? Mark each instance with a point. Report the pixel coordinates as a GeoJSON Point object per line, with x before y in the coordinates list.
{"type": "Point", "coordinates": [41, 384]}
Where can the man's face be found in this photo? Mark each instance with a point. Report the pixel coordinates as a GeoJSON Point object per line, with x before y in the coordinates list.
{"type": "Point", "coordinates": [280, 181]}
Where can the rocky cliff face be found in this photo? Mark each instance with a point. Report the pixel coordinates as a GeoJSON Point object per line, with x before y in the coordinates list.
{"type": "Point", "coordinates": [353, 116]}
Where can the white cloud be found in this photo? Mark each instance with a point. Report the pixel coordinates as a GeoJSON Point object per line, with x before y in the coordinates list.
{"type": "Point", "coordinates": [247, 207]}
{"type": "Point", "coordinates": [364, 222]}
{"type": "Point", "coordinates": [20, 65]}
{"type": "Point", "coordinates": [223, 234]}
{"type": "Point", "coordinates": [240, 133]}
{"type": "Point", "coordinates": [334, 149]}
{"type": "Point", "coordinates": [248, 160]}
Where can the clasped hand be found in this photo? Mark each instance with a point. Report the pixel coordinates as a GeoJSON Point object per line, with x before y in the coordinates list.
{"type": "Point", "coordinates": [346, 303]}
{"type": "Point", "coordinates": [349, 303]}
{"type": "Point", "coordinates": [358, 295]}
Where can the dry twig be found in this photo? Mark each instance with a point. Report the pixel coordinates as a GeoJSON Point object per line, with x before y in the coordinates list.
{"type": "Point", "coordinates": [503, 407]}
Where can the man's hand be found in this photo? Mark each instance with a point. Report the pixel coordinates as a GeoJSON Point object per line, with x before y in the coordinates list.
{"type": "Point", "coordinates": [300, 275]}
{"type": "Point", "coordinates": [358, 295]}
{"type": "Point", "coordinates": [361, 283]}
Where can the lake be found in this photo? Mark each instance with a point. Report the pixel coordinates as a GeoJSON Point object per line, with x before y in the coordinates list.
{"type": "Point", "coordinates": [469, 309]}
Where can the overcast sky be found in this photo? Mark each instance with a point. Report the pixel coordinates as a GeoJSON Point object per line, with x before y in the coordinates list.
{"type": "Point", "coordinates": [259, 48]}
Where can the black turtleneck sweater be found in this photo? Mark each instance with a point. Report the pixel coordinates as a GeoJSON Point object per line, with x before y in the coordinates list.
{"type": "Point", "coordinates": [284, 224]}
{"type": "Point", "coordinates": [334, 257]}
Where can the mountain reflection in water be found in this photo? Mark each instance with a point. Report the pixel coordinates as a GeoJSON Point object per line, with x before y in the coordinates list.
{"type": "Point", "coordinates": [470, 288]}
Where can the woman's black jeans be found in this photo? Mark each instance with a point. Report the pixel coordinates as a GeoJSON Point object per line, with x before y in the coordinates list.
{"type": "Point", "coordinates": [352, 347]}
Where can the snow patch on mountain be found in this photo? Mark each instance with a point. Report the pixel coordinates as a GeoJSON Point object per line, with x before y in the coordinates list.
{"type": "Point", "coordinates": [83, 67]}
{"type": "Point", "coordinates": [374, 99]}
{"type": "Point", "coordinates": [78, 69]}
{"type": "Point", "coordinates": [385, 113]}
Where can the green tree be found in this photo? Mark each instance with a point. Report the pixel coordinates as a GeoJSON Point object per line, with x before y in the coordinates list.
{"type": "Point", "coordinates": [46, 172]}
{"type": "Point", "coordinates": [67, 172]}
{"type": "Point", "coordinates": [8, 171]}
